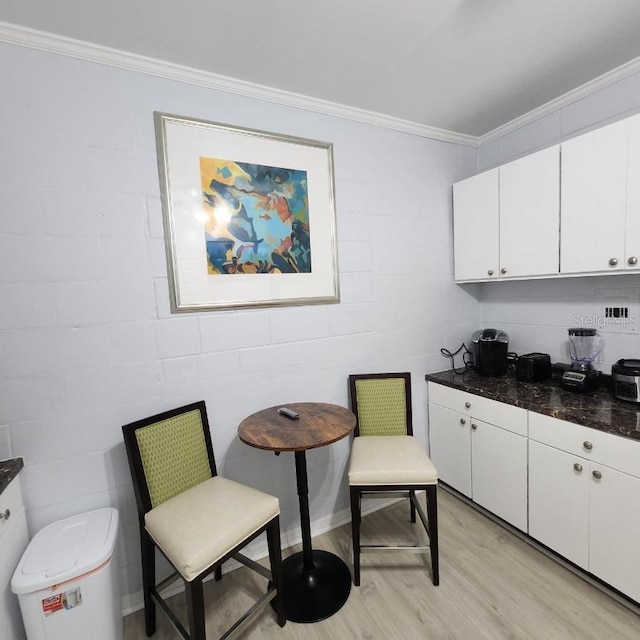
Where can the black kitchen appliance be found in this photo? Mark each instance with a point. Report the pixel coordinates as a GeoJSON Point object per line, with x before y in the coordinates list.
{"type": "Point", "coordinates": [533, 367]}
{"type": "Point", "coordinates": [625, 376]}
{"type": "Point", "coordinates": [585, 344]}
{"type": "Point", "coordinates": [490, 348]}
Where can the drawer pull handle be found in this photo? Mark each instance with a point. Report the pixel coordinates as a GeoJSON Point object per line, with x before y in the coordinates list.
{"type": "Point", "coordinates": [463, 421]}
{"type": "Point", "coordinates": [6, 515]}
{"type": "Point", "coordinates": [467, 405]}
{"type": "Point", "coordinates": [578, 467]}
{"type": "Point", "coordinates": [474, 426]}
{"type": "Point", "coordinates": [597, 475]}
{"type": "Point", "coordinates": [613, 261]}
{"type": "Point", "coordinates": [587, 445]}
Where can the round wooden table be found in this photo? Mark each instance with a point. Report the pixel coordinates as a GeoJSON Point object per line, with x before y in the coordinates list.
{"type": "Point", "coordinates": [316, 583]}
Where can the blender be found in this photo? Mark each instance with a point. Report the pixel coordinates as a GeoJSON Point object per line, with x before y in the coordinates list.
{"type": "Point", "coordinates": [585, 344]}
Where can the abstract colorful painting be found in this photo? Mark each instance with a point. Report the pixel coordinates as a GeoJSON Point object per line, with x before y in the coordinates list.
{"type": "Point", "coordinates": [256, 218]}
{"type": "Point", "coordinates": [249, 216]}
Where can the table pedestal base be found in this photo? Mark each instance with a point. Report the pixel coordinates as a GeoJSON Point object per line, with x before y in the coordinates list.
{"type": "Point", "coordinates": [314, 594]}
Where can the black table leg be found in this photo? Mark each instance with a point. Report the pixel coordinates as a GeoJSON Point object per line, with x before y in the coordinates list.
{"type": "Point", "coordinates": [316, 583]}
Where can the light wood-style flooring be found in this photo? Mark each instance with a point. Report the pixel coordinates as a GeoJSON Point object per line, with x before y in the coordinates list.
{"type": "Point", "coordinates": [493, 586]}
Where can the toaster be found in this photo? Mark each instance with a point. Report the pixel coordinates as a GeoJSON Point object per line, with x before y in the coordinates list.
{"type": "Point", "coordinates": [533, 367]}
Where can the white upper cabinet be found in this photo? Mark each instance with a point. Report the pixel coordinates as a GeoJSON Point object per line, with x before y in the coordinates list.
{"type": "Point", "coordinates": [572, 209]}
{"type": "Point", "coordinates": [594, 183]}
{"type": "Point", "coordinates": [632, 227]}
{"type": "Point", "coordinates": [530, 215]}
{"type": "Point", "coordinates": [476, 227]}
{"type": "Point", "coordinates": [506, 220]}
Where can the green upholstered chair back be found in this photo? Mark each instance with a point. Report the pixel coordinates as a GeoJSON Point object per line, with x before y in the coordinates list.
{"type": "Point", "coordinates": [169, 453]}
{"type": "Point", "coordinates": [382, 403]}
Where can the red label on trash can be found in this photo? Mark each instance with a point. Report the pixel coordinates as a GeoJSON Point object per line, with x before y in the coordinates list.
{"type": "Point", "coordinates": [62, 601]}
{"type": "Point", "coordinates": [52, 604]}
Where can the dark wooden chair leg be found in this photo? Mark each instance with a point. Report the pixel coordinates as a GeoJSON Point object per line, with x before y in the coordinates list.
{"type": "Point", "coordinates": [195, 609]}
{"type": "Point", "coordinates": [432, 517]}
{"type": "Point", "coordinates": [275, 560]}
{"type": "Point", "coordinates": [355, 533]}
{"type": "Point", "coordinates": [412, 506]}
{"type": "Point", "coordinates": [217, 573]}
{"type": "Point", "coordinates": [148, 551]}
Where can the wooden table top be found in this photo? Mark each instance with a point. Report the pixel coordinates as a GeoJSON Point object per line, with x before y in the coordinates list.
{"type": "Point", "coordinates": [319, 424]}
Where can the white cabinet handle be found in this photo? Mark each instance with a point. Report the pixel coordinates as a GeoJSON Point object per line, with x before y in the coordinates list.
{"type": "Point", "coordinates": [6, 515]}
{"type": "Point", "coordinates": [597, 475]}
{"type": "Point", "coordinates": [632, 260]}
{"type": "Point", "coordinates": [490, 272]}
{"type": "Point", "coordinates": [613, 261]}
{"type": "Point", "coordinates": [467, 405]}
{"type": "Point", "coordinates": [503, 270]}
{"type": "Point", "coordinates": [578, 467]}
{"type": "Point", "coordinates": [463, 421]}
{"type": "Point", "coordinates": [587, 445]}
{"type": "Point", "coordinates": [474, 426]}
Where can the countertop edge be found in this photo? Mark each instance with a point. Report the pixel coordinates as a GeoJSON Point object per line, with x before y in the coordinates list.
{"type": "Point", "coordinates": [9, 469]}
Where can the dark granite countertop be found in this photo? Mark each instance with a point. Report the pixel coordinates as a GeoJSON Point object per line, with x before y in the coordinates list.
{"type": "Point", "coordinates": [9, 469]}
{"type": "Point", "coordinates": [598, 410]}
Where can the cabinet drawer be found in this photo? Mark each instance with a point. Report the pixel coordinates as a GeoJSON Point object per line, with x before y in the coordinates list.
{"type": "Point", "coordinates": [613, 451]}
{"type": "Point", "coordinates": [499, 414]}
{"type": "Point", "coordinates": [11, 498]}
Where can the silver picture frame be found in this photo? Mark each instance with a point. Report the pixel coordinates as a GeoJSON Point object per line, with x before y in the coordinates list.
{"type": "Point", "coordinates": [249, 216]}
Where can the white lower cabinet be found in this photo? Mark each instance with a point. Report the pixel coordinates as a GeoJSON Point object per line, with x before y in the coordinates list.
{"type": "Point", "coordinates": [13, 541]}
{"type": "Point", "coordinates": [559, 502]}
{"type": "Point", "coordinates": [479, 448]}
{"type": "Point", "coordinates": [574, 489]}
{"type": "Point", "coordinates": [583, 509]}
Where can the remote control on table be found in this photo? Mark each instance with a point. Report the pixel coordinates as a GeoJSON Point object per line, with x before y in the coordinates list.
{"type": "Point", "coordinates": [289, 413]}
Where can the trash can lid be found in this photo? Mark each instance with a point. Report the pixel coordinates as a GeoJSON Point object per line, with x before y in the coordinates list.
{"type": "Point", "coordinates": [66, 549]}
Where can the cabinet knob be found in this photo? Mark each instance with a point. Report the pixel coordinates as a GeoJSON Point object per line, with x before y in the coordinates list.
{"type": "Point", "coordinates": [6, 515]}
{"type": "Point", "coordinates": [577, 466]}
{"type": "Point", "coordinates": [503, 270]}
{"type": "Point", "coordinates": [474, 426]}
{"type": "Point", "coordinates": [613, 261]}
{"type": "Point", "coordinates": [463, 421]}
{"type": "Point", "coordinates": [597, 475]}
{"type": "Point", "coordinates": [490, 272]}
{"type": "Point", "coordinates": [467, 405]}
{"type": "Point", "coordinates": [587, 445]}
{"type": "Point", "coordinates": [632, 260]}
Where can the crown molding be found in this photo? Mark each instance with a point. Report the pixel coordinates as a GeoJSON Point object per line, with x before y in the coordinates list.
{"type": "Point", "coordinates": [583, 91]}
{"type": "Point", "coordinates": [51, 43]}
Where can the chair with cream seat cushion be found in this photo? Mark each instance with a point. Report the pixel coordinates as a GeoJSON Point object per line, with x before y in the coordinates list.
{"type": "Point", "coordinates": [197, 519]}
{"type": "Point", "coordinates": [386, 460]}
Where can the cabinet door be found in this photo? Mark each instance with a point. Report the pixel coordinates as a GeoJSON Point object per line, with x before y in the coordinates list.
{"type": "Point", "coordinates": [593, 200]}
{"type": "Point", "coordinates": [632, 236]}
{"type": "Point", "coordinates": [615, 529]}
{"type": "Point", "coordinates": [449, 447]}
{"type": "Point", "coordinates": [14, 542]}
{"type": "Point", "coordinates": [476, 227]}
{"type": "Point", "coordinates": [499, 472]}
{"type": "Point", "coordinates": [559, 502]}
{"type": "Point", "coordinates": [530, 215]}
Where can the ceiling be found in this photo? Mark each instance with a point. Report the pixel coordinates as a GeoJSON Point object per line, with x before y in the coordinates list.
{"type": "Point", "coordinates": [464, 66]}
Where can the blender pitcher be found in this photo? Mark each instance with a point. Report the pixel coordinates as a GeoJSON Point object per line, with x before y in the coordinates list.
{"type": "Point", "coordinates": [584, 347]}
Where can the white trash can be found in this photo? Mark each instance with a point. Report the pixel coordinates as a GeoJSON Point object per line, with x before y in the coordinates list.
{"type": "Point", "coordinates": [67, 582]}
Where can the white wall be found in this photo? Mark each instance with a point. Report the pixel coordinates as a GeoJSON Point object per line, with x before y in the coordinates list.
{"type": "Point", "coordinates": [537, 313]}
{"type": "Point", "coordinates": [87, 342]}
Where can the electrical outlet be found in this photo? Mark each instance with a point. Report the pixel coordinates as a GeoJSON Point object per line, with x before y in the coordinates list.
{"type": "Point", "coordinates": [618, 310]}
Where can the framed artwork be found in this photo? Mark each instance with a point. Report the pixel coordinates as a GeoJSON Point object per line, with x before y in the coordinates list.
{"type": "Point", "coordinates": [249, 216]}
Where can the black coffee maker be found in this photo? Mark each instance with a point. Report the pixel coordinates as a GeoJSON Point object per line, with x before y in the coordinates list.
{"type": "Point", "coordinates": [490, 348]}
